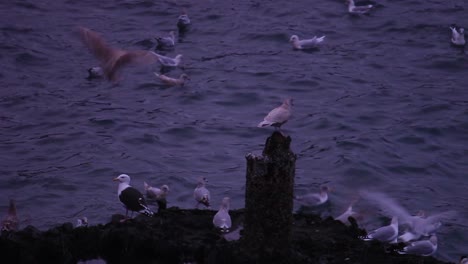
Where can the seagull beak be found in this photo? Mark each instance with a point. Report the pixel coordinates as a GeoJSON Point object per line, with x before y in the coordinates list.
{"type": "Point", "coordinates": [115, 179]}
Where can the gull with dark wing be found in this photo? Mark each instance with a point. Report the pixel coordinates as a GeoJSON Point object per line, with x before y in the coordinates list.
{"type": "Point", "coordinates": [278, 116]}
{"type": "Point", "coordinates": [201, 193]}
{"type": "Point", "coordinates": [305, 43]}
{"type": "Point", "coordinates": [112, 59]}
{"type": "Point", "coordinates": [183, 22]}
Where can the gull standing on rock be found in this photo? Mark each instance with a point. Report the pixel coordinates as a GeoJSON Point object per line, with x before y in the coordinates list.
{"type": "Point", "coordinates": [314, 199]}
{"type": "Point", "coordinates": [305, 43]}
{"type": "Point", "coordinates": [156, 193]}
{"type": "Point", "coordinates": [458, 36]}
{"type": "Point", "coordinates": [112, 59]}
{"type": "Point", "coordinates": [172, 81]}
{"type": "Point", "coordinates": [278, 116]}
{"type": "Point", "coordinates": [361, 9]}
{"type": "Point", "coordinates": [387, 233]}
{"type": "Point", "coordinates": [167, 42]}
{"type": "Point", "coordinates": [131, 198]}
{"type": "Point", "coordinates": [348, 213]}
{"type": "Point", "coordinates": [422, 247]}
{"type": "Point", "coordinates": [201, 193]}
{"type": "Point", "coordinates": [222, 219]}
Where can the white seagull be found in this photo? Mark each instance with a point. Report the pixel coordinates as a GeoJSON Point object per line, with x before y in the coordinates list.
{"type": "Point", "coordinates": [173, 81]}
{"type": "Point", "coordinates": [167, 42]}
{"type": "Point", "coordinates": [305, 43]}
{"type": "Point", "coordinates": [348, 213]}
{"type": "Point", "coordinates": [156, 193]}
{"type": "Point", "coordinates": [112, 59]}
{"type": "Point", "coordinates": [458, 36]}
{"type": "Point", "coordinates": [167, 61]}
{"type": "Point", "coordinates": [278, 116]}
{"type": "Point", "coordinates": [422, 247]}
{"type": "Point", "coordinates": [201, 193]}
{"type": "Point", "coordinates": [361, 9]}
{"type": "Point", "coordinates": [131, 198]}
{"type": "Point", "coordinates": [222, 219]}
{"type": "Point", "coordinates": [314, 199]}
{"type": "Point", "coordinates": [387, 233]}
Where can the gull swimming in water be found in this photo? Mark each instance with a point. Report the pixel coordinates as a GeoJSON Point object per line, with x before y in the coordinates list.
{"type": "Point", "coordinates": [361, 9]}
{"type": "Point", "coordinates": [201, 193]}
{"type": "Point", "coordinates": [314, 199]}
{"type": "Point", "coordinates": [167, 61]}
{"type": "Point", "coordinates": [167, 42]}
{"type": "Point", "coordinates": [183, 22]}
{"type": "Point", "coordinates": [458, 36]}
{"type": "Point", "coordinates": [156, 193]}
{"type": "Point", "coordinates": [222, 219]}
{"type": "Point", "coordinates": [305, 43]}
{"type": "Point", "coordinates": [278, 116]}
{"type": "Point", "coordinates": [173, 81]}
{"type": "Point", "coordinates": [422, 247]}
{"type": "Point", "coordinates": [387, 233]}
{"type": "Point", "coordinates": [95, 72]}
{"type": "Point", "coordinates": [112, 59]}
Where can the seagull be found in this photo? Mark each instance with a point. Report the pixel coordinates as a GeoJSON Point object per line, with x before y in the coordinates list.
{"type": "Point", "coordinates": [167, 42]}
{"type": "Point", "coordinates": [305, 43]}
{"type": "Point", "coordinates": [82, 222]}
{"type": "Point", "coordinates": [156, 193]}
{"type": "Point", "coordinates": [422, 247]}
{"type": "Point", "coordinates": [183, 22]}
{"type": "Point", "coordinates": [417, 225]}
{"type": "Point", "coordinates": [278, 116]}
{"type": "Point", "coordinates": [458, 36]}
{"type": "Point", "coordinates": [201, 194]}
{"type": "Point", "coordinates": [463, 260]}
{"type": "Point", "coordinates": [172, 81]}
{"type": "Point", "coordinates": [167, 61]}
{"type": "Point", "coordinates": [314, 199]}
{"type": "Point", "coordinates": [95, 72]}
{"type": "Point", "coordinates": [131, 198]}
{"type": "Point", "coordinates": [112, 59]}
{"type": "Point", "coordinates": [222, 219]}
{"type": "Point", "coordinates": [348, 213]}
{"type": "Point", "coordinates": [387, 233]}
{"type": "Point", "coordinates": [11, 221]}
{"type": "Point", "coordinates": [361, 9]}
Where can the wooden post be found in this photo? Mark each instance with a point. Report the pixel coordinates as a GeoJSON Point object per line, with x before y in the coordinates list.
{"type": "Point", "coordinates": [269, 198]}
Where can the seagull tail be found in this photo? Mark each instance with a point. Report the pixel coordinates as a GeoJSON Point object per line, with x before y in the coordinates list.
{"type": "Point", "coordinates": [148, 212]}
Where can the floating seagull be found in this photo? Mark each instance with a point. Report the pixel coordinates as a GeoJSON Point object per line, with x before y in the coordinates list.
{"type": "Point", "coordinates": [131, 198]}
{"type": "Point", "coordinates": [82, 222]}
{"type": "Point", "coordinates": [183, 23]}
{"type": "Point", "coordinates": [167, 61]}
{"type": "Point", "coordinates": [278, 116]}
{"type": "Point", "coordinates": [314, 199]}
{"type": "Point", "coordinates": [112, 59]}
{"type": "Point", "coordinates": [172, 81]}
{"type": "Point", "coordinates": [361, 9]}
{"type": "Point", "coordinates": [417, 225]}
{"type": "Point", "coordinates": [422, 247]}
{"type": "Point", "coordinates": [222, 219]}
{"type": "Point", "coordinates": [167, 42]}
{"type": "Point", "coordinates": [201, 194]}
{"type": "Point", "coordinates": [305, 43]}
{"type": "Point", "coordinates": [387, 233]}
{"type": "Point", "coordinates": [95, 72]}
{"type": "Point", "coordinates": [156, 193]}
{"type": "Point", "coordinates": [458, 36]}
{"type": "Point", "coordinates": [11, 221]}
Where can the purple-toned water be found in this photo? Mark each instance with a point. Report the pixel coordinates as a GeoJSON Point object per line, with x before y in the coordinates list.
{"type": "Point", "coordinates": [382, 105]}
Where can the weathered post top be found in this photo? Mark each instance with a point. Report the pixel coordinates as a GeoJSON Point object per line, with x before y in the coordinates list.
{"type": "Point", "coordinates": [269, 198]}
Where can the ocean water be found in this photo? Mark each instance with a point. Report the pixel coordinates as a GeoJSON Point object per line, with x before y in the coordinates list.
{"type": "Point", "coordinates": [382, 105]}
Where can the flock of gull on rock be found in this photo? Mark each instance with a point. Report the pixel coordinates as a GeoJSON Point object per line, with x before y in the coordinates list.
{"type": "Point", "coordinates": [419, 230]}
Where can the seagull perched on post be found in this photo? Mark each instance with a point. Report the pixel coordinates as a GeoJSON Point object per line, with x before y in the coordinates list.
{"type": "Point", "coordinates": [278, 116]}
{"type": "Point", "coordinates": [131, 198]}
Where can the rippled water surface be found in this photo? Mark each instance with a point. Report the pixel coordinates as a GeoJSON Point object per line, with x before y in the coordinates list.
{"type": "Point", "coordinates": [381, 105]}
